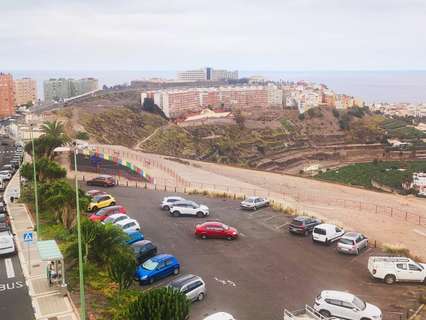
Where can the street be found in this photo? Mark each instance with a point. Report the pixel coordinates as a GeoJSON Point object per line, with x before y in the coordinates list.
{"type": "Point", "coordinates": [15, 303]}
{"type": "Point", "coordinates": [266, 269]}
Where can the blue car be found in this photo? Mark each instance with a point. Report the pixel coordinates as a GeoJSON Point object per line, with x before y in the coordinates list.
{"type": "Point", "coordinates": [135, 236]}
{"type": "Point", "coordinates": [156, 268]}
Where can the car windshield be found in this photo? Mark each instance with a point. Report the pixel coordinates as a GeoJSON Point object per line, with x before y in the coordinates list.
{"type": "Point", "coordinates": [346, 241]}
{"type": "Point", "coordinates": [297, 222]}
{"type": "Point", "coordinates": [225, 227]}
{"type": "Point", "coordinates": [320, 231]}
{"type": "Point", "coordinates": [150, 265]}
{"type": "Point", "coordinates": [359, 303]}
{"type": "Point", "coordinates": [250, 199]}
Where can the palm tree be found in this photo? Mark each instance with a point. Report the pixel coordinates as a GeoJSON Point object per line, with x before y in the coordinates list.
{"type": "Point", "coordinates": [53, 128]}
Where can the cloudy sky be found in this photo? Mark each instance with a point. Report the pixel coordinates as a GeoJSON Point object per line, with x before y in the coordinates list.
{"type": "Point", "coordinates": [240, 34]}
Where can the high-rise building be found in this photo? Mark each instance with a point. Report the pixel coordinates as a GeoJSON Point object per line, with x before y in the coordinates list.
{"type": "Point", "coordinates": [60, 89]}
{"type": "Point", "coordinates": [25, 91]}
{"type": "Point", "coordinates": [207, 74]}
{"type": "Point", "coordinates": [7, 99]}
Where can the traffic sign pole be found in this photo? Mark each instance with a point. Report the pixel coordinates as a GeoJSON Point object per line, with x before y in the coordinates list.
{"type": "Point", "coordinates": [28, 238]}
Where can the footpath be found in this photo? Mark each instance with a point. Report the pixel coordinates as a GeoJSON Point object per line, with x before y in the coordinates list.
{"type": "Point", "coordinates": [49, 303]}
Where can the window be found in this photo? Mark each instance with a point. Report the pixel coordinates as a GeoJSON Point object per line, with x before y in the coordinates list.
{"type": "Point", "coordinates": [169, 262]}
{"type": "Point", "coordinates": [320, 231]}
{"type": "Point", "coordinates": [401, 266]}
{"type": "Point", "coordinates": [347, 305]}
{"type": "Point", "coordinates": [413, 267]}
{"type": "Point", "coordinates": [161, 265]}
{"type": "Point", "coordinates": [193, 286]}
{"type": "Point", "coordinates": [334, 302]}
{"type": "Point", "coordinates": [338, 229]}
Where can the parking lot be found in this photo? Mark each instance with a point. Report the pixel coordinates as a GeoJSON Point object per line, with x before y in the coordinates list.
{"type": "Point", "coordinates": [266, 269]}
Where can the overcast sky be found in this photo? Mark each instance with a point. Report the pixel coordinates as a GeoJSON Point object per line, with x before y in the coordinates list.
{"type": "Point", "coordinates": [235, 34]}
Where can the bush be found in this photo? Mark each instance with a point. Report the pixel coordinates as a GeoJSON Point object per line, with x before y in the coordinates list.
{"type": "Point", "coordinates": [336, 113]}
{"type": "Point", "coordinates": [301, 117]}
{"type": "Point", "coordinates": [82, 135]}
{"type": "Point", "coordinates": [396, 249]}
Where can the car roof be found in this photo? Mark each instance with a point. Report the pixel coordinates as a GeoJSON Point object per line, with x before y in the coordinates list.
{"type": "Point", "coordinates": [220, 316]}
{"type": "Point", "coordinates": [326, 226]}
{"type": "Point", "coordinates": [212, 223]}
{"type": "Point", "coordinates": [161, 257]}
{"type": "Point", "coordinates": [183, 280]}
{"type": "Point", "coordinates": [351, 235]}
{"type": "Point", "coordinates": [140, 243]}
{"type": "Point", "coordinates": [103, 176]}
{"type": "Point", "coordinates": [98, 196]}
{"type": "Point", "coordinates": [302, 218]}
{"type": "Point", "coordinates": [116, 215]}
{"type": "Point", "coordinates": [125, 221]}
{"type": "Point", "coordinates": [334, 294]}
{"type": "Point", "coordinates": [111, 208]}
{"type": "Point", "coordinates": [174, 197]}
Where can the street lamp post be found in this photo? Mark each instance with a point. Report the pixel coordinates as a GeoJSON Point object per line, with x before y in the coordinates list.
{"type": "Point", "coordinates": [80, 254]}
{"type": "Point", "coordinates": [35, 182]}
{"type": "Point", "coordinates": [74, 149]}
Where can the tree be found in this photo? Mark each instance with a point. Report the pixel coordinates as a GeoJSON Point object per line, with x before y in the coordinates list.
{"type": "Point", "coordinates": [89, 231]}
{"type": "Point", "coordinates": [121, 268]}
{"type": "Point", "coordinates": [53, 128]}
{"type": "Point", "coordinates": [239, 118]}
{"type": "Point", "coordinates": [44, 146]}
{"type": "Point", "coordinates": [47, 170]}
{"type": "Point", "coordinates": [158, 304]}
{"type": "Point", "coordinates": [82, 135]}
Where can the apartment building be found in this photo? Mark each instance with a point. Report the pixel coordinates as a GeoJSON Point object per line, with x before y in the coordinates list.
{"type": "Point", "coordinates": [25, 91]}
{"type": "Point", "coordinates": [61, 89]}
{"type": "Point", "coordinates": [178, 103]}
{"type": "Point", "coordinates": [207, 74]}
{"type": "Point", "coordinates": [7, 97]}
{"type": "Point", "coordinates": [275, 95]}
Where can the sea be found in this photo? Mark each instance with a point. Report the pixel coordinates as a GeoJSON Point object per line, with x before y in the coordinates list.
{"type": "Point", "coordinates": [403, 86]}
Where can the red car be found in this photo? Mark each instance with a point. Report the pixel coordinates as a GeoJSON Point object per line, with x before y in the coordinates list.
{"type": "Point", "coordinates": [214, 229]}
{"type": "Point", "coordinates": [92, 193]}
{"type": "Point", "coordinates": [102, 180]}
{"type": "Point", "coordinates": [103, 213]}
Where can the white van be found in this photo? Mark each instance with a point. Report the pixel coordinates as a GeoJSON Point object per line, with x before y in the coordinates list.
{"type": "Point", "coordinates": [7, 243]}
{"type": "Point", "coordinates": [327, 233]}
{"type": "Point", "coordinates": [396, 269]}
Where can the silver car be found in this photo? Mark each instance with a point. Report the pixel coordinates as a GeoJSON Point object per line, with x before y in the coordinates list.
{"type": "Point", "coordinates": [168, 202]}
{"type": "Point", "coordinates": [254, 203]}
{"type": "Point", "coordinates": [192, 286]}
{"type": "Point", "coordinates": [352, 243]}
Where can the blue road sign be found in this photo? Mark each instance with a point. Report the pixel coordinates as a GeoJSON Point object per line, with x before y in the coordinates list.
{"type": "Point", "coordinates": [28, 236]}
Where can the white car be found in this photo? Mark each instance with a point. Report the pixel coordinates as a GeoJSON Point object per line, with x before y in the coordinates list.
{"type": "Point", "coordinates": [116, 217]}
{"type": "Point", "coordinates": [254, 203]}
{"type": "Point", "coordinates": [220, 316]}
{"type": "Point", "coordinates": [396, 269]}
{"type": "Point", "coordinates": [327, 233]}
{"type": "Point", "coordinates": [168, 202]}
{"type": "Point", "coordinates": [7, 243]}
{"type": "Point", "coordinates": [192, 286]}
{"type": "Point", "coordinates": [128, 225]}
{"type": "Point", "coordinates": [191, 208]}
{"type": "Point", "coordinates": [5, 174]}
{"type": "Point", "coordinates": [345, 305]}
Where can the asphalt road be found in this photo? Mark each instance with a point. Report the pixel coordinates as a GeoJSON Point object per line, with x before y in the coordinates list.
{"type": "Point", "coordinates": [15, 303]}
{"type": "Point", "coordinates": [266, 269]}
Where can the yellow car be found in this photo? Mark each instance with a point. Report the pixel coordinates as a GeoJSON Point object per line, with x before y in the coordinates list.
{"type": "Point", "coordinates": [101, 201]}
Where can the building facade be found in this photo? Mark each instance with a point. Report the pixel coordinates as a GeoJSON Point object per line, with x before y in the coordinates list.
{"type": "Point", "coordinates": [217, 75]}
{"type": "Point", "coordinates": [61, 89]}
{"type": "Point", "coordinates": [7, 97]}
{"type": "Point", "coordinates": [207, 74]}
{"type": "Point", "coordinates": [193, 75]}
{"type": "Point", "coordinates": [25, 91]}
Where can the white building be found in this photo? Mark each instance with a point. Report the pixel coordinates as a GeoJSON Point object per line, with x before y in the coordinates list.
{"type": "Point", "coordinates": [275, 95]}
{"type": "Point", "coordinates": [217, 74]}
{"type": "Point", "coordinates": [192, 75]}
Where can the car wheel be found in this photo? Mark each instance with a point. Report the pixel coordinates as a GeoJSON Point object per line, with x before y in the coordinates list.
{"type": "Point", "coordinates": [112, 203]}
{"type": "Point", "coordinates": [390, 279]}
{"type": "Point", "coordinates": [151, 280]}
{"type": "Point", "coordinates": [200, 214]}
{"type": "Point", "coordinates": [357, 251]}
{"type": "Point", "coordinates": [94, 208]}
{"type": "Point", "coordinates": [166, 208]}
{"type": "Point", "coordinates": [200, 296]}
{"type": "Point", "coordinates": [203, 236]}
{"type": "Point", "coordinates": [325, 313]}
{"type": "Point", "coordinates": [365, 319]}
{"type": "Point", "coordinates": [254, 208]}
{"type": "Point", "coordinates": [176, 213]}
{"type": "Point", "coordinates": [327, 242]}
{"type": "Point", "coordinates": [176, 271]}
{"type": "Point", "coordinates": [230, 238]}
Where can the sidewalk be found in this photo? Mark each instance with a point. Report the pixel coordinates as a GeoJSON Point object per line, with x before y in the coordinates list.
{"type": "Point", "coordinates": [48, 303]}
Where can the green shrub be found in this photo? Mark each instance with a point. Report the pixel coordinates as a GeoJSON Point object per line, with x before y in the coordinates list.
{"type": "Point", "coordinates": [82, 135]}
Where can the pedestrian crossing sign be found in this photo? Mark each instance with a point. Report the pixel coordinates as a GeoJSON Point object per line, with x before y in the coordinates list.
{"type": "Point", "coordinates": [28, 236]}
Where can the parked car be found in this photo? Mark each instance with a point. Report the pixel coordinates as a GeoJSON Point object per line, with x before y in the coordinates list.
{"type": "Point", "coordinates": [345, 305]}
{"type": "Point", "coordinates": [156, 268]}
{"type": "Point", "coordinates": [193, 287]}
{"type": "Point", "coordinates": [143, 249]}
{"type": "Point", "coordinates": [4, 218]}
{"type": "Point", "coordinates": [15, 163]}
{"type": "Point", "coordinates": [4, 226]}
{"type": "Point", "coordinates": [2, 185]}
{"type": "Point", "coordinates": [7, 242]}
{"type": "Point", "coordinates": [92, 193]}
{"type": "Point", "coordinates": [134, 236]}
{"type": "Point", "coordinates": [215, 229]}
{"type": "Point", "coordinates": [102, 181]}
{"type": "Point", "coordinates": [254, 203]}
{"type": "Point", "coordinates": [303, 225]}
{"type": "Point", "coordinates": [168, 202]}
{"type": "Point", "coordinates": [191, 208]}
{"type": "Point", "coordinates": [327, 233]}
{"type": "Point", "coordinates": [128, 225]}
{"type": "Point", "coordinates": [220, 316]}
{"type": "Point", "coordinates": [396, 269]}
{"type": "Point", "coordinates": [352, 243]}
{"type": "Point", "coordinates": [9, 167]}
{"type": "Point", "coordinates": [101, 201]}
{"type": "Point", "coordinates": [116, 217]}
{"type": "Point", "coordinates": [103, 213]}
{"type": "Point", "coordinates": [5, 175]}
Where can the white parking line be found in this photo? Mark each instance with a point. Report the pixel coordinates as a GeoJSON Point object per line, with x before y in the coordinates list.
{"type": "Point", "coordinates": [419, 232]}
{"type": "Point", "coordinates": [282, 225]}
{"type": "Point", "coordinates": [270, 218]}
{"type": "Point", "coordinates": [9, 268]}
{"type": "Point", "coordinates": [243, 234]}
